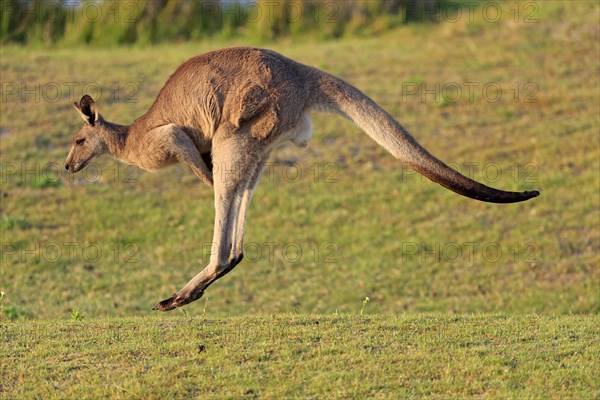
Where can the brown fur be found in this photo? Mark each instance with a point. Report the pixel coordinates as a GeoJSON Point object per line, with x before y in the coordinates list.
{"type": "Point", "coordinates": [221, 113]}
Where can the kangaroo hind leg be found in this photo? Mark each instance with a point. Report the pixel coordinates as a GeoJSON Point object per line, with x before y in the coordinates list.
{"type": "Point", "coordinates": [234, 168]}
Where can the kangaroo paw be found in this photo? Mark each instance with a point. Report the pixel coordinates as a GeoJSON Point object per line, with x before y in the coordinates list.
{"type": "Point", "coordinates": [177, 300]}
{"type": "Point", "coordinates": [167, 304]}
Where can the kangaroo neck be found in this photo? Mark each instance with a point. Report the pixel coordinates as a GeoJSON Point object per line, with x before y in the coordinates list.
{"type": "Point", "coordinates": [115, 136]}
{"type": "Point", "coordinates": [127, 142]}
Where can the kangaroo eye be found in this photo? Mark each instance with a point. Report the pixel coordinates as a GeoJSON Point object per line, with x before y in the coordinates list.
{"type": "Point", "coordinates": [79, 141]}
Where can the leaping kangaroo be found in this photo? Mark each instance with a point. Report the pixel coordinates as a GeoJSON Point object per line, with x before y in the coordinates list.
{"type": "Point", "coordinates": [222, 113]}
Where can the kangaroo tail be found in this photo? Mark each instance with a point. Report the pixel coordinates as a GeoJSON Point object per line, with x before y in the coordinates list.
{"type": "Point", "coordinates": [335, 95]}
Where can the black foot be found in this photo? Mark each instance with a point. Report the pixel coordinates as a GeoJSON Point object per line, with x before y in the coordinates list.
{"type": "Point", "coordinates": [177, 301]}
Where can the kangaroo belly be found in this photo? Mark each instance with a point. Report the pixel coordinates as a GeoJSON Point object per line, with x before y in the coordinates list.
{"type": "Point", "coordinates": [301, 134]}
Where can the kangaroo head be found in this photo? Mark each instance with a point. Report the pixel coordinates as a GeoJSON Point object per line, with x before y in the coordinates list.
{"type": "Point", "coordinates": [87, 142]}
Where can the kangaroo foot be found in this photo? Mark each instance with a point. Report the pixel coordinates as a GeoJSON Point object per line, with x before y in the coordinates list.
{"type": "Point", "coordinates": [191, 291]}
{"type": "Point", "coordinates": [177, 300]}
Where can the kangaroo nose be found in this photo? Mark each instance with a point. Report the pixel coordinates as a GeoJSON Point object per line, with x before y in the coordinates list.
{"type": "Point", "coordinates": [67, 167]}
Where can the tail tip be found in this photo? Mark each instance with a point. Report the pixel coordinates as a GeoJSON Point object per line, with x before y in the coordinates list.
{"type": "Point", "coordinates": [530, 194]}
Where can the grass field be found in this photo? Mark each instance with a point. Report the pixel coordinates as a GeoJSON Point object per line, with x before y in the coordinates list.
{"type": "Point", "coordinates": [304, 356]}
{"type": "Point", "coordinates": [328, 227]}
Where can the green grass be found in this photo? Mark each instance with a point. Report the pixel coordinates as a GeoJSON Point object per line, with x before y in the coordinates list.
{"type": "Point", "coordinates": [310, 356]}
{"type": "Point", "coordinates": [113, 241]}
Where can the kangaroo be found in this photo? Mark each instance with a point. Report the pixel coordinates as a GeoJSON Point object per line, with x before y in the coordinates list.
{"type": "Point", "coordinates": [222, 113]}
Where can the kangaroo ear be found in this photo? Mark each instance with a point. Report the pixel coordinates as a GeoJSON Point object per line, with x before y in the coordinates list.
{"type": "Point", "coordinates": [87, 109]}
